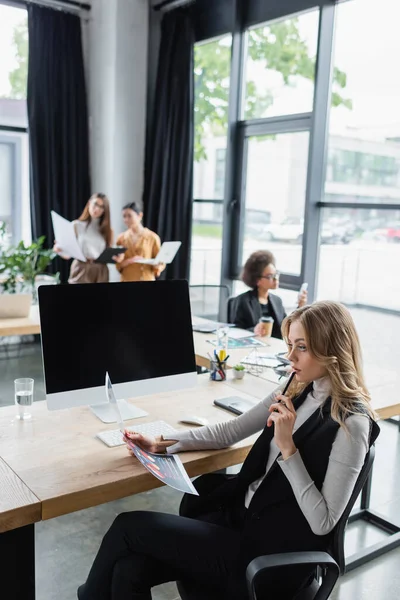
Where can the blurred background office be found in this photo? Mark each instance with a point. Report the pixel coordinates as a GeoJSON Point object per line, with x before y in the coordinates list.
{"type": "Point", "coordinates": [282, 135]}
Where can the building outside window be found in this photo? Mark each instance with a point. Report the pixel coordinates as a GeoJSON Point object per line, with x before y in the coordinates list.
{"type": "Point", "coordinates": [363, 163]}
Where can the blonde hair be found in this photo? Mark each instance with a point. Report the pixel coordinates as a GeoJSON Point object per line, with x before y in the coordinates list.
{"type": "Point", "coordinates": [331, 337]}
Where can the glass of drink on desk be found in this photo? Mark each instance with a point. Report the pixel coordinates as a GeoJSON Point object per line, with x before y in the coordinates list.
{"type": "Point", "coordinates": [24, 397]}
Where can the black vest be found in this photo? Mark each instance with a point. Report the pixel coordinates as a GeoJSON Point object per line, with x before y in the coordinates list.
{"type": "Point", "coordinates": [274, 521]}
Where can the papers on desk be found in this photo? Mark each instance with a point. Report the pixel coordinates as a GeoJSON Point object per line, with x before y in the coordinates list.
{"type": "Point", "coordinates": [64, 233]}
{"type": "Point", "coordinates": [234, 344]}
{"type": "Point", "coordinates": [261, 360]}
{"type": "Point", "coordinates": [207, 325]}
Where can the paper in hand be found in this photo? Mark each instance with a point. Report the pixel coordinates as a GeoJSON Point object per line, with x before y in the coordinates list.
{"type": "Point", "coordinates": [168, 468]}
{"type": "Point", "coordinates": [65, 236]}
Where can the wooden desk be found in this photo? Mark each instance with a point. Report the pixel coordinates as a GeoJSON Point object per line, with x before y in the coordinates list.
{"type": "Point", "coordinates": [18, 505]}
{"type": "Point", "coordinates": [67, 468]}
{"type": "Point", "coordinates": [27, 326]}
{"type": "Point", "coordinates": [19, 510]}
{"type": "Point", "coordinates": [55, 465]}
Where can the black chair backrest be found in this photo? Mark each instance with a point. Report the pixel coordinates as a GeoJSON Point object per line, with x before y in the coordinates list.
{"type": "Point", "coordinates": [337, 545]}
{"type": "Point", "coordinates": [209, 301]}
{"type": "Point", "coordinates": [231, 309]}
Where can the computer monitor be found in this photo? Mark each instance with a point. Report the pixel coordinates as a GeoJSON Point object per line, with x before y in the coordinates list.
{"type": "Point", "coordinates": [139, 332]}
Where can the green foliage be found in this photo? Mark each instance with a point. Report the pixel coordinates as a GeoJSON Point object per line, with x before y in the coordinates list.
{"type": "Point", "coordinates": [18, 78]}
{"type": "Point", "coordinates": [21, 263]}
{"type": "Point", "coordinates": [212, 70]}
{"type": "Point", "coordinates": [207, 230]}
{"type": "Point", "coordinates": [278, 47]}
{"type": "Point", "coordinates": [238, 367]}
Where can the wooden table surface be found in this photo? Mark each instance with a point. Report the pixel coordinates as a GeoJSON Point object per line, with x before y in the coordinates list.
{"type": "Point", "coordinates": [26, 326]}
{"type": "Point", "coordinates": [18, 505]}
{"type": "Point", "coordinates": [58, 457]}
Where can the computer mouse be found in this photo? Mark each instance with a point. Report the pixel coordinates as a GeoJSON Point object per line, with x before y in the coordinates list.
{"type": "Point", "coordinates": [193, 420]}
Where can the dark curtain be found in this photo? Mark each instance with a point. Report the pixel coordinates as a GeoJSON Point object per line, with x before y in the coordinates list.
{"type": "Point", "coordinates": [169, 163]}
{"type": "Point", "coordinates": [58, 122]}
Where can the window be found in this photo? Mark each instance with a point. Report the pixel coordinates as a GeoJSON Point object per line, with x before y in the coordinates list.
{"type": "Point", "coordinates": [363, 163]}
{"type": "Point", "coordinates": [280, 67]}
{"type": "Point", "coordinates": [361, 168]}
{"type": "Point", "coordinates": [276, 174]}
{"type": "Point", "coordinates": [361, 263]}
{"type": "Point", "coordinates": [14, 147]}
{"type": "Point", "coordinates": [212, 76]}
{"type": "Point", "coordinates": [364, 146]}
{"type": "Point", "coordinates": [219, 183]}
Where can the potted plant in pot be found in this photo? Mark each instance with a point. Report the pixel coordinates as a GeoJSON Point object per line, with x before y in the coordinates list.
{"type": "Point", "coordinates": [238, 371]}
{"type": "Point", "coordinates": [21, 264]}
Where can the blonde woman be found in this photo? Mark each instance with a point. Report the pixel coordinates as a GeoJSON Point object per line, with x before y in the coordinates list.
{"type": "Point", "coordinates": [139, 242]}
{"type": "Point", "coordinates": [289, 494]}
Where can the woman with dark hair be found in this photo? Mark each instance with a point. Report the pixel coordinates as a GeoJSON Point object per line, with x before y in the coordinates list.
{"type": "Point", "coordinates": [139, 242]}
{"type": "Point", "coordinates": [260, 274]}
{"type": "Point", "coordinates": [94, 234]}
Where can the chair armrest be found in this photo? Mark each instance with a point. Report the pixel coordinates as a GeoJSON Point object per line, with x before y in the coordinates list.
{"type": "Point", "coordinates": [318, 559]}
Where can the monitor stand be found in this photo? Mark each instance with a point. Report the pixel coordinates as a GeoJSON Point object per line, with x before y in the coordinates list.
{"type": "Point", "coordinates": [106, 413]}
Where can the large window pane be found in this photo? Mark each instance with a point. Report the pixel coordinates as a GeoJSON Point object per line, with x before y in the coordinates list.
{"type": "Point", "coordinates": [14, 147]}
{"type": "Point", "coordinates": [276, 174]}
{"type": "Point", "coordinates": [6, 183]}
{"type": "Point", "coordinates": [364, 144]}
{"type": "Point", "coordinates": [363, 268]}
{"type": "Point", "coordinates": [205, 265]}
{"type": "Point", "coordinates": [14, 185]}
{"type": "Point", "coordinates": [280, 67]}
{"type": "Point", "coordinates": [13, 66]}
{"type": "Point", "coordinates": [212, 71]}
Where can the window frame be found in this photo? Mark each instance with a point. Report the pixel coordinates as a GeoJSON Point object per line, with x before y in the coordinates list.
{"type": "Point", "coordinates": [15, 146]}
{"type": "Point", "coordinates": [238, 129]}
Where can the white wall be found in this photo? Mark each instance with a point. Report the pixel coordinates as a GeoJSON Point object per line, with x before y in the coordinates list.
{"type": "Point", "coordinates": [117, 86]}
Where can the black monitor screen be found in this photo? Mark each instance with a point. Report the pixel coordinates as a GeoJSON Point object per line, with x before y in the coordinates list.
{"type": "Point", "coordinates": [134, 331]}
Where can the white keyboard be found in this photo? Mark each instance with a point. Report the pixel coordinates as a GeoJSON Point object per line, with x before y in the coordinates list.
{"type": "Point", "coordinates": [114, 437]}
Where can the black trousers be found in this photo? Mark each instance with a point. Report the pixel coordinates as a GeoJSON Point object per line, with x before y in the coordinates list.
{"type": "Point", "coordinates": [144, 549]}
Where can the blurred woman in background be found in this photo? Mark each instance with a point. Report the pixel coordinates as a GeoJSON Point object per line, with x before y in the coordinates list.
{"type": "Point", "coordinates": [139, 242]}
{"type": "Point", "coordinates": [94, 234]}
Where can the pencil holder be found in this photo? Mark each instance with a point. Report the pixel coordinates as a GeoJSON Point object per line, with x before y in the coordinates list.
{"type": "Point", "coordinates": [217, 370]}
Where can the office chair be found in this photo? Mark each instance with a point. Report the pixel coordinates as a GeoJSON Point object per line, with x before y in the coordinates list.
{"type": "Point", "coordinates": [328, 565]}
{"type": "Point", "coordinates": [209, 301]}
{"type": "Point", "coordinates": [231, 309]}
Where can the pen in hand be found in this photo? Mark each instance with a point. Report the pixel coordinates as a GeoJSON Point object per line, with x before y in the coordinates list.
{"type": "Point", "coordinates": [285, 389]}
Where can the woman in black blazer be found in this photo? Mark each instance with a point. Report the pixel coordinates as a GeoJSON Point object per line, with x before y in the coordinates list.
{"type": "Point", "coordinates": [289, 494]}
{"type": "Point", "coordinates": [260, 274]}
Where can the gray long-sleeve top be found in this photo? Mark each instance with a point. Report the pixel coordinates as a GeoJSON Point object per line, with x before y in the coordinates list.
{"type": "Point", "coordinates": [322, 509]}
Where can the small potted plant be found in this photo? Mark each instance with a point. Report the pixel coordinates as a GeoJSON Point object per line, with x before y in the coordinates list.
{"type": "Point", "coordinates": [238, 371]}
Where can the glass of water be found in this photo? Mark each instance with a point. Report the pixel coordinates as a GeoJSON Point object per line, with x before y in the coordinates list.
{"type": "Point", "coordinates": [24, 397]}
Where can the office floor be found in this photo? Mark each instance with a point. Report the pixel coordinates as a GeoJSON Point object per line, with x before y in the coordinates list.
{"type": "Point", "coordinates": [66, 546]}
